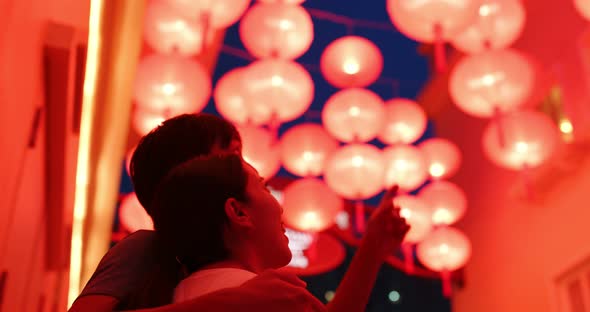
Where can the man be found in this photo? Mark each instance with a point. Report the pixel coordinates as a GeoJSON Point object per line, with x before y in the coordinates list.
{"type": "Point", "coordinates": [136, 274]}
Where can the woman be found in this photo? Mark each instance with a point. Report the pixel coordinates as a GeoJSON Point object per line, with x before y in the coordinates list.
{"type": "Point", "coordinates": [222, 223]}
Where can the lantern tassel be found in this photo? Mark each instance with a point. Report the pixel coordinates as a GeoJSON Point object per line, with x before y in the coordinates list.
{"type": "Point", "coordinates": [446, 283]}
{"type": "Point", "coordinates": [206, 20]}
{"type": "Point", "coordinates": [528, 183]}
{"type": "Point", "coordinates": [359, 209]}
{"type": "Point", "coordinates": [408, 258]}
{"type": "Point", "coordinates": [500, 127]}
{"type": "Point", "coordinates": [440, 59]}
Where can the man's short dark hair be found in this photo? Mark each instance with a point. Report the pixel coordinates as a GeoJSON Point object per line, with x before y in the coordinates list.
{"type": "Point", "coordinates": [172, 143]}
{"type": "Point", "coordinates": [189, 207]}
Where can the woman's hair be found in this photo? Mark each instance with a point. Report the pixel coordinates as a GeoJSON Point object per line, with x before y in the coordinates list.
{"type": "Point", "coordinates": [188, 207]}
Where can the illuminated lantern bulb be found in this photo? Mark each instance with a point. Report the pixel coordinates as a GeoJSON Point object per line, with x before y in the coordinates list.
{"type": "Point", "coordinates": [530, 138]}
{"type": "Point", "coordinates": [417, 214]}
{"type": "Point", "coordinates": [405, 122]}
{"type": "Point", "coordinates": [171, 85]}
{"type": "Point", "coordinates": [230, 96]}
{"type": "Point", "coordinates": [279, 30]}
{"type": "Point", "coordinates": [443, 157]}
{"type": "Point", "coordinates": [491, 82]}
{"type": "Point", "coordinates": [351, 61]}
{"type": "Point", "coordinates": [353, 115]}
{"type": "Point", "coordinates": [133, 216]}
{"type": "Point", "coordinates": [499, 24]}
{"type": "Point", "coordinates": [277, 89]}
{"type": "Point", "coordinates": [143, 122]}
{"type": "Point", "coordinates": [405, 166]}
{"type": "Point", "coordinates": [355, 171]}
{"type": "Point", "coordinates": [447, 202]}
{"type": "Point", "coordinates": [305, 149]}
{"type": "Point", "coordinates": [310, 205]}
{"type": "Point", "coordinates": [168, 30]}
{"type": "Point", "coordinates": [217, 13]}
{"type": "Point", "coordinates": [444, 250]}
{"type": "Point", "coordinates": [260, 150]}
{"type": "Point", "coordinates": [583, 7]}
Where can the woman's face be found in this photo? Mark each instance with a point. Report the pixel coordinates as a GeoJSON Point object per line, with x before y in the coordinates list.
{"type": "Point", "coordinates": [268, 234]}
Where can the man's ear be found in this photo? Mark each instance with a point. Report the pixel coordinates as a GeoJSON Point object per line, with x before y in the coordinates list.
{"type": "Point", "coordinates": [237, 214]}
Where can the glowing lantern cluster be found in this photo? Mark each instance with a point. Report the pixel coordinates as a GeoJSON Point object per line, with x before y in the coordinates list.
{"type": "Point", "coordinates": [305, 149]}
{"type": "Point", "coordinates": [132, 215]}
{"type": "Point", "coordinates": [353, 115]}
{"type": "Point", "coordinates": [260, 150]}
{"type": "Point", "coordinates": [405, 166]}
{"type": "Point", "coordinates": [278, 30]}
{"type": "Point", "coordinates": [170, 85]}
{"type": "Point", "coordinates": [351, 61]}
{"type": "Point", "coordinates": [499, 24]}
{"type": "Point", "coordinates": [529, 139]}
{"type": "Point", "coordinates": [446, 200]}
{"type": "Point", "coordinates": [355, 171]}
{"type": "Point", "coordinates": [310, 205]}
{"type": "Point", "coordinates": [405, 122]}
{"type": "Point", "coordinates": [443, 157]}
{"type": "Point", "coordinates": [491, 82]}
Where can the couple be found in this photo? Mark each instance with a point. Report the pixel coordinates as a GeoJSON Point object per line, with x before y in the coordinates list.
{"type": "Point", "coordinates": [219, 237]}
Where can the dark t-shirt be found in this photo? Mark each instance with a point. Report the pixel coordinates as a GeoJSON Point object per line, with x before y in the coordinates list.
{"type": "Point", "coordinates": [136, 272]}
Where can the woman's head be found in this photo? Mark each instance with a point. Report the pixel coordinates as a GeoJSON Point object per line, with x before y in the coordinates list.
{"type": "Point", "coordinates": [216, 208]}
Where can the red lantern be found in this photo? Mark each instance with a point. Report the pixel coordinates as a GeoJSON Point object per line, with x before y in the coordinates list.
{"type": "Point", "coordinates": [133, 216]}
{"type": "Point", "coordinates": [355, 171]}
{"type": "Point", "coordinates": [279, 30]}
{"type": "Point", "coordinates": [215, 13]}
{"type": "Point", "coordinates": [353, 115]}
{"type": "Point", "coordinates": [351, 61]}
{"type": "Point", "coordinates": [405, 122]}
{"type": "Point", "coordinates": [491, 82]}
{"type": "Point", "coordinates": [446, 200]}
{"type": "Point", "coordinates": [583, 7]}
{"type": "Point", "coordinates": [310, 205]}
{"type": "Point", "coordinates": [432, 20]}
{"type": "Point", "coordinates": [529, 138]}
{"type": "Point", "coordinates": [445, 250]}
{"type": "Point", "coordinates": [305, 149]}
{"type": "Point", "coordinates": [171, 85]}
{"type": "Point", "coordinates": [168, 30]}
{"type": "Point", "coordinates": [259, 149]}
{"type": "Point", "coordinates": [443, 157]}
{"type": "Point", "coordinates": [277, 90]}
{"type": "Point", "coordinates": [230, 97]}
{"type": "Point", "coordinates": [499, 24]}
{"type": "Point", "coordinates": [405, 166]}
{"type": "Point", "coordinates": [417, 214]}
{"type": "Point", "coordinates": [143, 122]}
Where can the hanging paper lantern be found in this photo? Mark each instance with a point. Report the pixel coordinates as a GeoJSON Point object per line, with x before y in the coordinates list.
{"type": "Point", "coordinates": [133, 216]}
{"type": "Point", "coordinates": [305, 149]}
{"type": "Point", "coordinates": [446, 200]}
{"type": "Point", "coordinates": [405, 166]}
{"type": "Point", "coordinates": [351, 61]}
{"type": "Point", "coordinates": [432, 20]}
{"type": "Point", "coordinates": [230, 97]}
{"type": "Point", "coordinates": [583, 7]}
{"type": "Point", "coordinates": [353, 115]}
{"type": "Point", "coordinates": [277, 89]}
{"type": "Point", "coordinates": [168, 30]}
{"type": "Point", "coordinates": [143, 122]}
{"type": "Point", "coordinates": [405, 122]}
{"type": "Point", "coordinates": [355, 171]}
{"type": "Point", "coordinates": [499, 24]}
{"type": "Point", "coordinates": [260, 150]}
{"type": "Point", "coordinates": [417, 214]}
{"type": "Point", "coordinates": [215, 13]}
{"type": "Point", "coordinates": [310, 205]}
{"type": "Point", "coordinates": [443, 157]}
{"type": "Point", "coordinates": [171, 85]}
{"type": "Point", "coordinates": [529, 138]}
{"type": "Point", "coordinates": [279, 30]}
{"type": "Point", "coordinates": [491, 82]}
